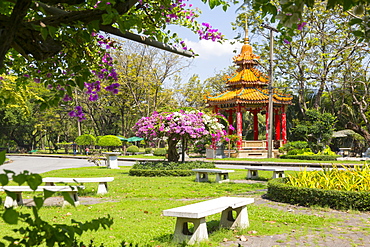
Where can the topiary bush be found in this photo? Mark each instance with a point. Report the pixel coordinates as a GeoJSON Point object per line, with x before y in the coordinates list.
{"type": "Point", "coordinates": [148, 150]}
{"type": "Point", "coordinates": [160, 152]}
{"type": "Point", "coordinates": [158, 169]}
{"type": "Point", "coordinates": [132, 149]}
{"type": "Point", "coordinates": [279, 191]}
{"type": "Point", "coordinates": [109, 141]}
{"type": "Point", "coordinates": [85, 140]}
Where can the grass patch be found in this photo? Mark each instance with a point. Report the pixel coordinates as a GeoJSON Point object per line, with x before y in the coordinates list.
{"type": "Point", "coordinates": [136, 204]}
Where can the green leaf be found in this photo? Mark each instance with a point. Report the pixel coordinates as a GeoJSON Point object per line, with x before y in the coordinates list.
{"type": "Point", "coordinates": [44, 33]}
{"type": "Point", "coordinates": [310, 3]}
{"type": "Point", "coordinates": [2, 157]}
{"type": "Point", "coordinates": [68, 198]}
{"type": "Point", "coordinates": [34, 180]}
{"type": "Point", "coordinates": [331, 4]}
{"type": "Point", "coordinates": [43, 106]}
{"type": "Point", "coordinates": [347, 4]}
{"type": "Point", "coordinates": [4, 180]}
{"type": "Point", "coordinates": [10, 216]}
{"type": "Point", "coordinates": [354, 21]}
{"type": "Point", "coordinates": [48, 193]}
{"type": "Point", "coordinates": [39, 201]}
{"type": "Point", "coordinates": [20, 178]}
{"type": "Point", "coordinates": [358, 33]}
{"type": "Point", "coordinates": [107, 19]}
{"type": "Point", "coordinates": [52, 30]}
{"type": "Point", "coordinates": [212, 3]}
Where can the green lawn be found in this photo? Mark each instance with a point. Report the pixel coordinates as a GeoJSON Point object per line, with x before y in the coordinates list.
{"type": "Point", "coordinates": [136, 203]}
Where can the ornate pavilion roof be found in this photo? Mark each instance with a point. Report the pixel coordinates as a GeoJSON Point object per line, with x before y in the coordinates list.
{"type": "Point", "coordinates": [248, 95]}
{"type": "Point", "coordinates": [248, 85]}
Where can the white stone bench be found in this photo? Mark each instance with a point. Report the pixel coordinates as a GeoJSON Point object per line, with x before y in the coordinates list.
{"type": "Point", "coordinates": [196, 213]}
{"type": "Point", "coordinates": [102, 187]}
{"type": "Point", "coordinates": [221, 175]}
{"type": "Point", "coordinates": [253, 171]}
{"type": "Point", "coordinates": [18, 190]}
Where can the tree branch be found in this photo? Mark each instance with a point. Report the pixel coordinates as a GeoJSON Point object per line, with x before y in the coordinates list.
{"type": "Point", "coordinates": [8, 34]}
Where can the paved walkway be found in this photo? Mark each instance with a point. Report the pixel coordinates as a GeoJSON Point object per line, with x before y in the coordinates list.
{"type": "Point", "coordinates": [45, 163]}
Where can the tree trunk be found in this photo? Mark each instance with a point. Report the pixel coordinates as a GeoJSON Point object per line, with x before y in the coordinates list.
{"type": "Point", "coordinates": [359, 130]}
{"type": "Point", "coordinates": [173, 156]}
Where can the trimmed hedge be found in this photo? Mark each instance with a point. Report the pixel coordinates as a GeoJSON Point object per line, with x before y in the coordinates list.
{"type": "Point", "coordinates": [160, 152]}
{"type": "Point", "coordinates": [310, 157]}
{"type": "Point", "coordinates": [158, 168]}
{"type": "Point", "coordinates": [160, 173]}
{"type": "Point", "coordinates": [279, 191]}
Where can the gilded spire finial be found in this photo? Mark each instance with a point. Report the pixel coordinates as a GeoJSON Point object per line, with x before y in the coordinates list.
{"type": "Point", "coordinates": [246, 38]}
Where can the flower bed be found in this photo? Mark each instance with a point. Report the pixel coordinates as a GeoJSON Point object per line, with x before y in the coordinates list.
{"type": "Point", "coordinates": [278, 190]}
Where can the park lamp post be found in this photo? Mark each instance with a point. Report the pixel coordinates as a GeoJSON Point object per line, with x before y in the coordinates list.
{"type": "Point", "coordinates": [271, 79]}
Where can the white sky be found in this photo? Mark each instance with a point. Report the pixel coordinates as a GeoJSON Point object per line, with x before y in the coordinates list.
{"type": "Point", "coordinates": [213, 56]}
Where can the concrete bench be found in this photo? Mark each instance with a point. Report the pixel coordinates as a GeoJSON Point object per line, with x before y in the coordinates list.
{"type": "Point", "coordinates": [196, 213]}
{"type": "Point", "coordinates": [18, 190]}
{"type": "Point", "coordinates": [102, 187]}
{"type": "Point", "coordinates": [221, 175]}
{"type": "Point", "coordinates": [253, 171]}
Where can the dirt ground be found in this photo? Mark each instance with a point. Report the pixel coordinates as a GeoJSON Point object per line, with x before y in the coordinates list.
{"type": "Point", "coordinates": [352, 230]}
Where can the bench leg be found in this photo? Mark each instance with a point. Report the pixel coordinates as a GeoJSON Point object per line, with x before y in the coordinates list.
{"type": "Point", "coordinates": [74, 197]}
{"type": "Point", "coordinates": [182, 232]}
{"type": "Point", "coordinates": [240, 221]}
{"type": "Point", "coordinates": [221, 178]}
{"type": "Point", "coordinates": [201, 177]}
{"type": "Point", "coordinates": [252, 174]}
{"type": "Point", "coordinates": [278, 174]}
{"type": "Point", "coordinates": [10, 202]}
{"type": "Point", "coordinates": [102, 188]}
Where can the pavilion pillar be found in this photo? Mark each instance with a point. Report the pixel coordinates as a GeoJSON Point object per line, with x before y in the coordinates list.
{"type": "Point", "coordinates": [239, 126]}
{"type": "Point", "coordinates": [230, 120]}
{"type": "Point", "coordinates": [215, 109]}
{"type": "Point", "coordinates": [277, 125]}
{"type": "Point", "coordinates": [255, 125]}
{"type": "Point", "coordinates": [283, 123]}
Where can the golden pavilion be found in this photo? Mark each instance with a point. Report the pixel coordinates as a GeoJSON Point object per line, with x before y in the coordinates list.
{"type": "Point", "coordinates": [247, 91]}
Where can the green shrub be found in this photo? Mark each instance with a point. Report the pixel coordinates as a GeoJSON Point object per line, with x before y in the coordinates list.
{"type": "Point", "coordinates": [293, 146]}
{"type": "Point", "coordinates": [154, 168]}
{"type": "Point", "coordinates": [85, 139]}
{"type": "Point", "coordinates": [327, 151]}
{"type": "Point", "coordinates": [160, 152]}
{"type": "Point", "coordinates": [345, 179]}
{"type": "Point", "coordinates": [310, 157]}
{"type": "Point", "coordinates": [279, 191]}
{"type": "Point", "coordinates": [109, 141]}
{"type": "Point", "coordinates": [160, 173]}
{"type": "Point", "coordinates": [132, 149]}
{"type": "Point", "coordinates": [148, 150]}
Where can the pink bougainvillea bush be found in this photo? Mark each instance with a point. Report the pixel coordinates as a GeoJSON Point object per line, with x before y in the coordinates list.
{"type": "Point", "coordinates": [181, 125]}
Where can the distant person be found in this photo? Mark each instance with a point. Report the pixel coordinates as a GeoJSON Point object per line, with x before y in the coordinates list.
{"type": "Point", "coordinates": [74, 147]}
{"type": "Point", "coordinates": [87, 151]}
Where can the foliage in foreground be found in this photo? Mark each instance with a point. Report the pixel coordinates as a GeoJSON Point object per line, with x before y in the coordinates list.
{"type": "Point", "coordinates": [35, 230]}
